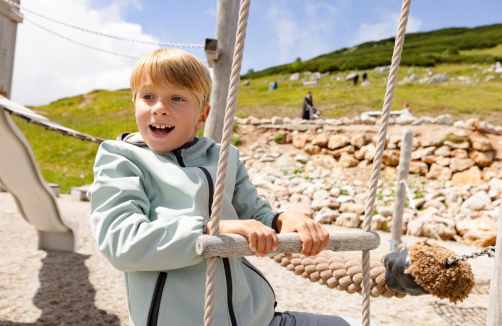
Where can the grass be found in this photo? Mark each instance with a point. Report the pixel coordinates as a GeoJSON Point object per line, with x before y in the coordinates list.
{"type": "Point", "coordinates": [339, 98]}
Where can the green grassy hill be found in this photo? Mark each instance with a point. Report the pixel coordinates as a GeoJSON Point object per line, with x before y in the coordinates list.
{"type": "Point", "coordinates": [106, 114]}
{"type": "Point", "coordinates": [420, 49]}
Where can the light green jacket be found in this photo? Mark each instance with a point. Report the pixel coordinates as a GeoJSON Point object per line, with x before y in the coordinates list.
{"type": "Point", "coordinates": [149, 208]}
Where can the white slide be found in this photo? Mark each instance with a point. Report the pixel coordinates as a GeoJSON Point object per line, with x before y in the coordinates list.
{"type": "Point", "coordinates": [20, 176]}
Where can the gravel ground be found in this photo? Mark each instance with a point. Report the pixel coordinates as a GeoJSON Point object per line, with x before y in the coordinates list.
{"type": "Point", "coordinates": [59, 288]}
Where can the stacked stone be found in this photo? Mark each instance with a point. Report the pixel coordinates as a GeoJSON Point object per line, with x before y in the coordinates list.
{"type": "Point", "coordinates": [339, 271]}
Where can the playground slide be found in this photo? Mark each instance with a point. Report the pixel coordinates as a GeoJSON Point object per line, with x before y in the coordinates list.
{"type": "Point", "coordinates": [19, 175]}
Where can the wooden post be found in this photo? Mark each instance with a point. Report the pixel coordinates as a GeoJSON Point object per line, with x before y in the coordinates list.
{"type": "Point", "coordinates": [495, 302]}
{"type": "Point", "coordinates": [226, 29]}
{"type": "Point", "coordinates": [404, 168]}
{"type": "Point", "coordinates": [8, 32]}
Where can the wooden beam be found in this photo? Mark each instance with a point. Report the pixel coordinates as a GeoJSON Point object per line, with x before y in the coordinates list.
{"type": "Point", "coordinates": [212, 51]}
{"type": "Point", "coordinates": [5, 10]}
{"type": "Point", "coordinates": [404, 169]}
{"type": "Point", "coordinates": [495, 301]}
{"type": "Point", "coordinates": [235, 245]}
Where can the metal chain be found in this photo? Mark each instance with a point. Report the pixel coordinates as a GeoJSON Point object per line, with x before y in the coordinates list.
{"type": "Point", "coordinates": [178, 45]}
{"type": "Point", "coordinates": [489, 251]}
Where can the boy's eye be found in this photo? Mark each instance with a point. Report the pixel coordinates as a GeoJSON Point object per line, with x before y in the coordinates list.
{"type": "Point", "coordinates": [147, 97]}
{"type": "Point", "coordinates": [177, 99]}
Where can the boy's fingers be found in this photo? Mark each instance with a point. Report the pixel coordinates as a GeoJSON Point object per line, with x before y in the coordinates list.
{"type": "Point", "coordinates": [269, 243]}
{"type": "Point", "coordinates": [289, 256]}
{"type": "Point", "coordinates": [252, 241]}
{"type": "Point", "coordinates": [275, 241]}
{"type": "Point", "coordinates": [316, 242]}
{"type": "Point", "coordinates": [322, 237]}
{"type": "Point", "coordinates": [260, 243]}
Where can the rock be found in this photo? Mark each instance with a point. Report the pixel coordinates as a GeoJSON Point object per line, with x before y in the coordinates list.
{"type": "Point", "coordinates": [390, 157]}
{"type": "Point", "coordinates": [471, 176]}
{"type": "Point", "coordinates": [490, 173]}
{"type": "Point", "coordinates": [302, 207]}
{"type": "Point", "coordinates": [321, 140]}
{"type": "Point", "coordinates": [277, 121]}
{"type": "Point", "coordinates": [326, 216]}
{"type": "Point", "coordinates": [377, 221]}
{"type": "Point", "coordinates": [461, 145]}
{"type": "Point", "coordinates": [443, 151]}
{"type": "Point", "coordinates": [417, 167]}
{"type": "Point", "coordinates": [429, 159]}
{"type": "Point", "coordinates": [253, 120]}
{"type": "Point", "coordinates": [321, 194]}
{"type": "Point", "coordinates": [460, 164]}
{"type": "Point", "coordinates": [300, 140]}
{"type": "Point", "coordinates": [352, 208]}
{"type": "Point", "coordinates": [438, 172]}
{"type": "Point", "coordinates": [423, 121]}
{"type": "Point", "coordinates": [431, 225]}
{"type": "Point", "coordinates": [302, 158]}
{"type": "Point", "coordinates": [335, 192]}
{"type": "Point", "coordinates": [405, 119]}
{"type": "Point", "coordinates": [318, 204]}
{"type": "Point", "coordinates": [312, 149]}
{"type": "Point", "coordinates": [385, 211]}
{"type": "Point", "coordinates": [367, 120]}
{"type": "Point", "coordinates": [348, 161]}
{"type": "Point", "coordinates": [444, 119]}
{"type": "Point", "coordinates": [443, 161]}
{"type": "Point", "coordinates": [347, 150]}
{"type": "Point", "coordinates": [439, 78]}
{"type": "Point", "coordinates": [459, 153]}
{"type": "Point", "coordinates": [481, 143]}
{"type": "Point", "coordinates": [369, 153]}
{"type": "Point", "coordinates": [338, 141]}
{"type": "Point", "coordinates": [482, 159]}
{"type": "Point", "coordinates": [421, 152]}
{"type": "Point", "coordinates": [477, 202]}
{"type": "Point", "coordinates": [350, 220]}
{"type": "Point", "coordinates": [481, 232]}
{"type": "Point", "coordinates": [359, 140]}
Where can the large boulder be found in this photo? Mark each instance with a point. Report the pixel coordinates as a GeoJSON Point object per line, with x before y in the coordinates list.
{"type": "Point", "coordinates": [312, 149]}
{"type": "Point", "coordinates": [321, 140]}
{"type": "Point", "coordinates": [471, 176]}
{"type": "Point", "coordinates": [482, 159]}
{"type": "Point", "coordinates": [348, 161]}
{"type": "Point", "coordinates": [481, 143]}
{"type": "Point", "coordinates": [481, 232]}
{"type": "Point", "coordinates": [344, 150]}
{"type": "Point", "coordinates": [438, 172]}
{"type": "Point", "coordinates": [443, 151]}
{"type": "Point", "coordinates": [477, 202]}
{"type": "Point", "coordinates": [349, 220]}
{"type": "Point", "coordinates": [432, 225]}
{"type": "Point", "coordinates": [417, 167]}
{"type": "Point", "coordinates": [300, 140]}
{"type": "Point", "coordinates": [390, 157]}
{"type": "Point", "coordinates": [359, 140]}
{"type": "Point", "coordinates": [461, 164]}
{"type": "Point", "coordinates": [338, 141]}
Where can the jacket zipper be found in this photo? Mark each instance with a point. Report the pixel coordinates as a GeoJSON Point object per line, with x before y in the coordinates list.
{"type": "Point", "coordinates": [263, 277]}
{"type": "Point", "coordinates": [153, 315]}
{"type": "Point", "coordinates": [226, 263]}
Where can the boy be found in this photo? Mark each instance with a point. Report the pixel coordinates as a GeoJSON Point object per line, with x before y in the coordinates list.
{"type": "Point", "coordinates": [152, 196]}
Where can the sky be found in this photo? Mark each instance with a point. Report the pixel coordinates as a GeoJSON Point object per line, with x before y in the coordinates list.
{"type": "Point", "coordinates": [48, 67]}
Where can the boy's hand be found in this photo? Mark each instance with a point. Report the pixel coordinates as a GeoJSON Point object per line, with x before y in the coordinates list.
{"type": "Point", "coordinates": [262, 239]}
{"type": "Point", "coordinates": [314, 236]}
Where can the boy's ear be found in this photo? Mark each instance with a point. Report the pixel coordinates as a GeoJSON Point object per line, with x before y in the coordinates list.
{"type": "Point", "coordinates": [203, 117]}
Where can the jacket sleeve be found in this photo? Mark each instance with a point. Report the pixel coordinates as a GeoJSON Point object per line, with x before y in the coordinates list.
{"type": "Point", "coordinates": [246, 202]}
{"type": "Point", "coordinates": [120, 223]}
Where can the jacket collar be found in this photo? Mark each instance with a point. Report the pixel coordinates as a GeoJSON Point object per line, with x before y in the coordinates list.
{"type": "Point", "coordinates": [190, 151]}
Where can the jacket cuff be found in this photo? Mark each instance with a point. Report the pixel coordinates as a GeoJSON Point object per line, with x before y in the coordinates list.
{"type": "Point", "coordinates": [274, 222]}
{"type": "Point", "coordinates": [204, 226]}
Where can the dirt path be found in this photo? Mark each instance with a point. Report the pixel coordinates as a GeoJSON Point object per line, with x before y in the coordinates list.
{"type": "Point", "coordinates": [57, 288]}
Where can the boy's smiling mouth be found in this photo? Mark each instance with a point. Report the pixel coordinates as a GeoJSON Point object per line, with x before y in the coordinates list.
{"type": "Point", "coordinates": [161, 129]}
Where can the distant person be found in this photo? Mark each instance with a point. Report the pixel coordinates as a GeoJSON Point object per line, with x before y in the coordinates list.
{"type": "Point", "coordinates": [365, 76]}
{"type": "Point", "coordinates": [356, 79]}
{"type": "Point", "coordinates": [308, 104]}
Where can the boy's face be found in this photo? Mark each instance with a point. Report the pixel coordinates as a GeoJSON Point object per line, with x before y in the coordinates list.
{"type": "Point", "coordinates": [168, 116]}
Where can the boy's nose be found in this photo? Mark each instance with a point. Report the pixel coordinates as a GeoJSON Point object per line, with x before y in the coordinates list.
{"type": "Point", "coordinates": [160, 109]}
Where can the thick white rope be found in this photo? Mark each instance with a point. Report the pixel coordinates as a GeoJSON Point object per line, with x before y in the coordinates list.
{"type": "Point", "coordinates": [377, 162]}
{"type": "Point", "coordinates": [214, 223]}
{"type": "Point", "coordinates": [177, 45]}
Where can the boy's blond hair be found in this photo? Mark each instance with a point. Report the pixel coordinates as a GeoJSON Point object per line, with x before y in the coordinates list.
{"type": "Point", "coordinates": [177, 67]}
